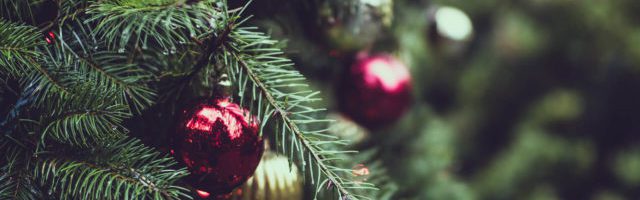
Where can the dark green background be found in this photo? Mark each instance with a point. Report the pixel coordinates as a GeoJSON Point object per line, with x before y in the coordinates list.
{"type": "Point", "coordinates": [542, 102]}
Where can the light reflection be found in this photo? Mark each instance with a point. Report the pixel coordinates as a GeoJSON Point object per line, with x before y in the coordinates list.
{"type": "Point", "coordinates": [207, 116]}
{"type": "Point", "coordinates": [202, 194]}
{"type": "Point", "coordinates": [453, 23]}
{"type": "Point", "coordinates": [390, 74]}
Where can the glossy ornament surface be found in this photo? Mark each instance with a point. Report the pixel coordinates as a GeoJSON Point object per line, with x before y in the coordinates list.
{"type": "Point", "coordinates": [50, 37]}
{"type": "Point", "coordinates": [376, 91]}
{"type": "Point", "coordinates": [219, 143]}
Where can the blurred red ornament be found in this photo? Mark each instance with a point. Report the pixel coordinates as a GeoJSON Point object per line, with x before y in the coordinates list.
{"type": "Point", "coordinates": [50, 37]}
{"type": "Point", "coordinates": [376, 91]}
{"type": "Point", "coordinates": [219, 143]}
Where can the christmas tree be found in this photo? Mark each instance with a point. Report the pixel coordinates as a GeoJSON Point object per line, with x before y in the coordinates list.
{"type": "Point", "coordinates": [319, 99]}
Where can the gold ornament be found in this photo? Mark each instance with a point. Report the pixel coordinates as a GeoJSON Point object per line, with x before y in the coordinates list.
{"type": "Point", "coordinates": [272, 180]}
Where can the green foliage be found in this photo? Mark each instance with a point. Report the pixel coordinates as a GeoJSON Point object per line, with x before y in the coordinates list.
{"type": "Point", "coordinates": [165, 23]}
{"type": "Point", "coordinates": [89, 127]}
{"type": "Point", "coordinates": [509, 170]}
{"type": "Point", "coordinates": [18, 45]}
{"type": "Point", "coordinates": [376, 174]}
{"type": "Point", "coordinates": [626, 166]}
{"type": "Point", "coordinates": [110, 71]}
{"type": "Point", "coordinates": [16, 187]}
{"type": "Point", "coordinates": [81, 92]}
{"type": "Point", "coordinates": [102, 68]}
{"type": "Point", "coordinates": [16, 10]}
{"type": "Point", "coordinates": [257, 67]}
{"type": "Point", "coordinates": [14, 180]}
{"type": "Point", "coordinates": [128, 170]}
{"type": "Point", "coordinates": [76, 69]}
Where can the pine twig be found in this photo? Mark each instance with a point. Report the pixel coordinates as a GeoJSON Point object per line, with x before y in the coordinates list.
{"type": "Point", "coordinates": [209, 50]}
{"type": "Point", "coordinates": [260, 71]}
{"type": "Point", "coordinates": [294, 127]}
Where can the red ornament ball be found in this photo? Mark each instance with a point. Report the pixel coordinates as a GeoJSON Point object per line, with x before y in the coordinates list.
{"type": "Point", "coordinates": [219, 143]}
{"type": "Point", "coordinates": [376, 91]}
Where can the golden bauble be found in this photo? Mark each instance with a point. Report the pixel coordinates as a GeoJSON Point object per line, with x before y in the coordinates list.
{"type": "Point", "coordinates": [272, 180]}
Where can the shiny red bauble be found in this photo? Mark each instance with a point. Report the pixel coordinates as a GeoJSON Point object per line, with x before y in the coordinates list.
{"type": "Point", "coordinates": [50, 37]}
{"type": "Point", "coordinates": [219, 143]}
{"type": "Point", "coordinates": [375, 91]}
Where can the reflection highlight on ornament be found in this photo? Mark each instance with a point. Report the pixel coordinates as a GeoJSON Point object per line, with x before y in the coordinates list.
{"type": "Point", "coordinates": [375, 91]}
{"type": "Point", "coordinates": [50, 37]}
{"type": "Point", "coordinates": [390, 75]}
{"type": "Point", "coordinates": [453, 23]}
{"type": "Point", "coordinates": [207, 116]}
{"type": "Point", "coordinates": [202, 194]}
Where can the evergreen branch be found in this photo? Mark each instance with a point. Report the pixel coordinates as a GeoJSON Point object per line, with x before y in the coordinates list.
{"type": "Point", "coordinates": [215, 45]}
{"type": "Point", "coordinates": [14, 183]}
{"type": "Point", "coordinates": [111, 69]}
{"type": "Point", "coordinates": [72, 9]}
{"type": "Point", "coordinates": [205, 58]}
{"type": "Point", "coordinates": [18, 48]}
{"type": "Point", "coordinates": [287, 122]}
{"type": "Point", "coordinates": [14, 152]}
{"type": "Point", "coordinates": [45, 87]}
{"type": "Point", "coordinates": [88, 128]}
{"type": "Point", "coordinates": [375, 172]}
{"type": "Point", "coordinates": [16, 187]}
{"type": "Point", "coordinates": [6, 185]}
{"type": "Point", "coordinates": [125, 170]}
{"type": "Point", "coordinates": [253, 61]}
{"type": "Point", "coordinates": [78, 57]}
{"type": "Point", "coordinates": [16, 10]}
{"type": "Point", "coordinates": [164, 23]}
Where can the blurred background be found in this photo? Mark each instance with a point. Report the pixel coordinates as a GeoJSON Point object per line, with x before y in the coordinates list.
{"type": "Point", "coordinates": [521, 99]}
